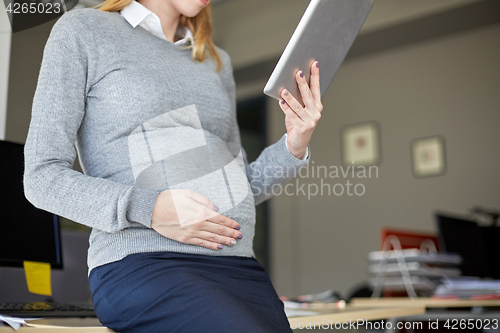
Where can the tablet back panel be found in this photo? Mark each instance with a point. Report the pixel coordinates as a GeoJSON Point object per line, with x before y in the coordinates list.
{"type": "Point", "coordinates": [325, 33]}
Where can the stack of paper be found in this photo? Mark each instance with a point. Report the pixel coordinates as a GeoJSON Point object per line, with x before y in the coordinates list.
{"type": "Point", "coordinates": [415, 255]}
{"type": "Point", "coordinates": [467, 287]}
{"type": "Point", "coordinates": [415, 269]}
{"type": "Point", "coordinates": [14, 322]}
{"type": "Point", "coordinates": [424, 270]}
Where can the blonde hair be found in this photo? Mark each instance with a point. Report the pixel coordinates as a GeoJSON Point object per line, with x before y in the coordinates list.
{"type": "Point", "coordinates": [200, 26]}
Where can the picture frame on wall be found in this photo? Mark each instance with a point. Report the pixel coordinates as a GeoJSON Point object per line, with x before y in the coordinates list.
{"type": "Point", "coordinates": [428, 156]}
{"type": "Point", "coordinates": [361, 144]}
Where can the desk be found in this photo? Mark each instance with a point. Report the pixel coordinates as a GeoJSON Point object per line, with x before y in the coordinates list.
{"type": "Point", "coordinates": [433, 305]}
{"type": "Point", "coordinates": [56, 325]}
{"type": "Point", "coordinates": [423, 301]}
{"type": "Point", "coordinates": [347, 314]}
{"type": "Point", "coordinates": [353, 314]}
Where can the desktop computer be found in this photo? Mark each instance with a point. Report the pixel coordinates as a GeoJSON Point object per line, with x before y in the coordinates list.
{"type": "Point", "coordinates": [478, 245]}
{"type": "Point", "coordinates": [26, 233]}
{"type": "Point", "coordinates": [31, 234]}
{"type": "Point", "coordinates": [491, 239]}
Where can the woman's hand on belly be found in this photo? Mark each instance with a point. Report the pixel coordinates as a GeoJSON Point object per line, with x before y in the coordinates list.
{"type": "Point", "coordinates": [189, 217]}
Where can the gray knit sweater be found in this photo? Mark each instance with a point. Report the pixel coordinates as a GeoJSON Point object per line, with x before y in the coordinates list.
{"type": "Point", "coordinates": [143, 117]}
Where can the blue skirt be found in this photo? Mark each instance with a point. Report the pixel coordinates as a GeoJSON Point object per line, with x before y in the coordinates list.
{"type": "Point", "coordinates": [174, 292]}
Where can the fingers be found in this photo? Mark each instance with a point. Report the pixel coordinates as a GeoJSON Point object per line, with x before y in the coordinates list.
{"type": "Point", "coordinates": [219, 229]}
{"type": "Point", "coordinates": [201, 242]}
{"type": "Point", "coordinates": [296, 107]}
{"type": "Point", "coordinates": [288, 111]}
{"type": "Point", "coordinates": [210, 235]}
{"type": "Point", "coordinates": [211, 240]}
{"type": "Point", "coordinates": [305, 92]}
{"type": "Point", "coordinates": [314, 85]}
{"type": "Point", "coordinates": [225, 221]}
{"type": "Point", "coordinates": [310, 93]}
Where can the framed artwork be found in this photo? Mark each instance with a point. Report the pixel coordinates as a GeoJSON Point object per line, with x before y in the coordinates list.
{"type": "Point", "coordinates": [428, 156]}
{"type": "Point", "coordinates": [361, 144]}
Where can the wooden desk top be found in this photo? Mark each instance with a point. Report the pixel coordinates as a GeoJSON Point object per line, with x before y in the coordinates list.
{"type": "Point", "coordinates": [353, 314]}
{"type": "Point", "coordinates": [359, 309]}
{"type": "Point", "coordinates": [57, 325]}
{"type": "Point", "coordinates": [422, 301]}
{"type": "Point", "coordinates": [347, 314]}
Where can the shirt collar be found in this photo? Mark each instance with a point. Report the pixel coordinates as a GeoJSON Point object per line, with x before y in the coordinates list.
{"type": "Point", "coordinates": [136, 14]}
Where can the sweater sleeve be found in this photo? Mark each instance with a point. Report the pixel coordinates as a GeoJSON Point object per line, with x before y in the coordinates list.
{"type": "Point", "coordinates": [50, 183]}
{"type": "Point", "coordinates": [275, 165]}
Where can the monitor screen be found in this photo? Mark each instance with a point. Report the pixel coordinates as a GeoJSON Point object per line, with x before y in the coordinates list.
{"type": "Point", "coordinates": [462, 236]}
{"type": "Point", "coordinates": [491, 241]}
{"type": "Point", "coordinates": [26, 233]}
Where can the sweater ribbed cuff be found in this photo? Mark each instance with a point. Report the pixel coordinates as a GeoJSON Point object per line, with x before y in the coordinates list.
{"type": "Point", "coordinates": [285, 158]}
{"type": "Point", "coordinates": [141, 205]}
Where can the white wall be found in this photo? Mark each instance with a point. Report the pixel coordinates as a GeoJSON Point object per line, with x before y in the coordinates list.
{"type": "Point", "coordinates": [5, 38]}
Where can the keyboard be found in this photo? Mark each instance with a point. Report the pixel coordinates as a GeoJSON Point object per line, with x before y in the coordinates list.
{"type": "Point", "coordinates": [46, 309]}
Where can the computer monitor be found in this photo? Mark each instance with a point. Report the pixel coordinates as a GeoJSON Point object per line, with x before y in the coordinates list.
{"type": "Point", "coordinates": [463, 236]}
{"type": "Point", "coordinates": [491, 241]}
{"type": "Point", "coordinates": [26, 233]}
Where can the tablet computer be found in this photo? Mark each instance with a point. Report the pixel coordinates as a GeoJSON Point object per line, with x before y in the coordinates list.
{"type": "Point", "coordinates": [325, 33]}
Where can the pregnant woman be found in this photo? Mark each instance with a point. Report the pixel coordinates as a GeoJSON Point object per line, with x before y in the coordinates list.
{"type": "Point", "coordinates": [139, 90]}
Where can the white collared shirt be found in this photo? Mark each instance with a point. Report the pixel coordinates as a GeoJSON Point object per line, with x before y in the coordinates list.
{"type": "Point", "coordinates": [136, 14]}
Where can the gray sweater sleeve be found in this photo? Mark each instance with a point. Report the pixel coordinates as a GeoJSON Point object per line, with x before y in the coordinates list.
{"type": "Point", "coordinates": [50, 183]}
{"type": "Point", "coordinates": [275, 165]}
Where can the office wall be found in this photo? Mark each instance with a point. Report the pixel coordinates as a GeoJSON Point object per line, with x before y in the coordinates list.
{"type": "Point", "coordinates": [25, 59]}
{"type": "Point", "coordinates": [257, 30]}
{"type": "Point", "coordinates": [5, 37]}
{"type": "Point", "coordinates": [443, 86]}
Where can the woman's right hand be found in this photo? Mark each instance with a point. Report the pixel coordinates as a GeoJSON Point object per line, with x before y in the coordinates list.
{"type": "Point", "coordinates": [189, 217]}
